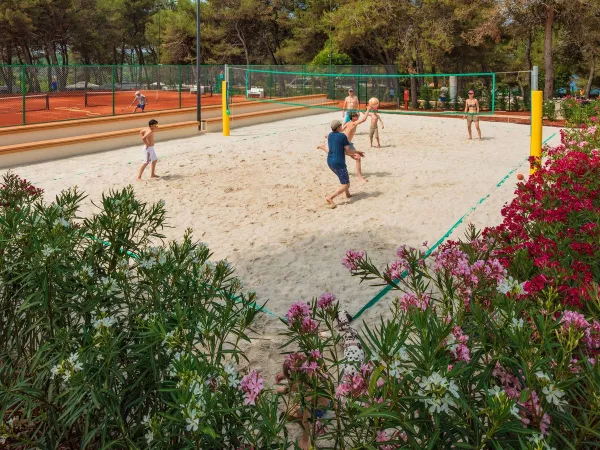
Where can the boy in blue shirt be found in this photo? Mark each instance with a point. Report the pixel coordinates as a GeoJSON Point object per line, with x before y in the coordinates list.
{"type": "Point", "coordinates": [339, 147]}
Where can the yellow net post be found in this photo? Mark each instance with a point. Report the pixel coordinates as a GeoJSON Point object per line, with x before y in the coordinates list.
{"type": "Point", "coordinates": [536, 130]}
{"type": "Point", "coordinates": [225, 111]}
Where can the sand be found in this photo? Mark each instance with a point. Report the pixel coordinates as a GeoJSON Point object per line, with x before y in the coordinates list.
{"type": "Point", "coordinates": [257, 199]}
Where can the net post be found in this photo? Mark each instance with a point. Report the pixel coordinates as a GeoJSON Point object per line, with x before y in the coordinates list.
{"type": "Point", "coordinates": [23, 93]}
{"type": "Point", "coordinates": [113, 69]}
{"type": "Point", "coordinates": [493, 93]}
{"type": "Point", "coordinates": [224, 108]}
{"type": "Point", "coordinates": [536, 130]}
{"type": "Point", "coordinates": [179, 83]}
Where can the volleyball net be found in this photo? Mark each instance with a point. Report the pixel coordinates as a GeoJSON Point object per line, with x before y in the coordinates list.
{"type": "Point", "coordinates": [397, 93]}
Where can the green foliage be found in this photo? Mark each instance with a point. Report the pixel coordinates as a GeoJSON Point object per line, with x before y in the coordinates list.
{"type": "Point", "coordinates": [337, 58]}
{"type": "Point", "coordinates": [107, 341]}
{"type": "Point", "coordinates": [549, 109]}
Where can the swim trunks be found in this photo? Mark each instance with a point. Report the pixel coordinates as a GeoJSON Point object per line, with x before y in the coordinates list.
{"type": "Point", "coordinates": [149, 155]}
{"type": "Point", "coordinates": [374, 131]}
{"type": "Point", "coordinates": [347, 117]}
{"type": "Point", "coordinates": [342, 174]}
{"type": "Point", "coordinates": [141, 106]}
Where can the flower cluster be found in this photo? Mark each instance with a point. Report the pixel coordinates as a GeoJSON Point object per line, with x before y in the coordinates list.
{"type": "Point", "coordinates": [326, 301]}
{"type": "Point", "coordinates": [352, 259]}
{"type": "Point", "coordinates": [251, 386]}
{"type": "Point", "coordinates": [438, 393]}
{"type": "Point", "coordinates": [67, 367]}
{"type": "Point", "coordinates": [457, 344]}
{"type": "Point", "coordinates": [299, 317]}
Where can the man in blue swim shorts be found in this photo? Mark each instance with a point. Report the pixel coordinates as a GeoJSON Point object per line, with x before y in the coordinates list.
{"type": "Point", "coordinates": [339, 147]}
{"type": "Point", "coordinates": [351, 104]}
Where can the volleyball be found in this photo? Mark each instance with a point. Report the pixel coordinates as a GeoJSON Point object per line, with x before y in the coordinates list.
{"type": "Point", "coordinates": [374, 103]}
{"type": "Point", "coordinates": [520, 176]}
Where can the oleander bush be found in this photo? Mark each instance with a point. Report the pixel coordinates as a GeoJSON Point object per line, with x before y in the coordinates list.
{"type": "Point", "coordinates": [109, 342]}
{"type": "Point", "coordinates": [491, 341]}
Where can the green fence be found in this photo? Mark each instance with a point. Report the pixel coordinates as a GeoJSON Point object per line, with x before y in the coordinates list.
{"type": "Point", "coordinates": [48, 93]}
{"type": "Point", "coordinates": [37, 94]}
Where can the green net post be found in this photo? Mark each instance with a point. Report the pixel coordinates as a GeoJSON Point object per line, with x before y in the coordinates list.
{"type": "Point", "coordinates": [179, 84]}
{"type": "Point", "coordinates": [358, 82]}
{"type": "Point", "coordinates": [493, 93]}
{"type": "Point", "coordinates": [303, 80]}
{"type": "Point", "coordinates": [270, 83]}
{"type": "Point", "coordinates": [247, 85]}
{"type": "Point", "coordinates": [113, 70]}
{"type": "Point", "coordinates": [23, 94]}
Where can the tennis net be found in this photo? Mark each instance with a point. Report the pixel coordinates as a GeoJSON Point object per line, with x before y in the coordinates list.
{"type": "Point", "coordinates": [98, 99]}
{"type": "Point", "coordinates": [15, 104]}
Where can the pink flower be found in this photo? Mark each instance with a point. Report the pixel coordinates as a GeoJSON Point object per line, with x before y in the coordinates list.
{"type": "Point", "coordinates": [316, 354]}
{"type": "Point", "coordinates": [574, 319]}
{"type": "Point", "coordinates": [298, 310]}
{"type": "Point", "coordinates": [308, 325]}
{"type": "Point", "coordinates": [251, 385]}
{"type": "Point", "coordinates": [352, 258]}
{"type": "Point", "coordinates": [320, 428]}
{"type": "Point", "coordinates": [458, 345]}
{"type": "Point", "coordinates": [326, 301]}
{"type": "Point", "coordinates": [410, 300]}
{"type": "Point", "coordinates": [381, 436]}
{"type": "Point", "coordinates": [309, 367]}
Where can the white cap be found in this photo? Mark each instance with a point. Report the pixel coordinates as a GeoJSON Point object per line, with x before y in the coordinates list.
{"type": "Point", "coordinates": [137, 92]}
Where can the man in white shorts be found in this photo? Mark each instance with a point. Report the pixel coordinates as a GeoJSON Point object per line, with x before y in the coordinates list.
{"type": "Point", "coordinates": [149, 153]}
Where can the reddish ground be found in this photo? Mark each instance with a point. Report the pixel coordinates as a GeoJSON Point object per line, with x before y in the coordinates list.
{"type": "Point", "coordinates": [71, 105]}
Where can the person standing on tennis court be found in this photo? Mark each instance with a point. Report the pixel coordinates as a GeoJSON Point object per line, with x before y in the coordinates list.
{"type": "Point", "coordinates": [349, 130]}
{"type": "Point", "coordinates": [472, 113]}
{"type": "Point", "coordinates": [339, 147]}
{"type": "Point", "coordinates": [149, 153]}
{"type": "Point", "coordinates": [351, 103]}
{"type": "Point", "coordinates": [141, 102]}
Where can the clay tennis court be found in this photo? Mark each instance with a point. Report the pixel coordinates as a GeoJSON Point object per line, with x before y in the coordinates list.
{"type": "Point", "coordinates": [53, 107]}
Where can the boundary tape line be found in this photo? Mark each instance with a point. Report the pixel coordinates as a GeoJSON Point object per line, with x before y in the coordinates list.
{"type": "Point", "coordinates": [388, 288]}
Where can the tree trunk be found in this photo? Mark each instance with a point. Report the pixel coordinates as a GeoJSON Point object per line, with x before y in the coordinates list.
{"type": "Point", "coordinates": [590, 79]}
{"type": "Point", "coordinates": [413, 89]}
{"type": "Point", "coordinates": [243, 41]}
{"type": "Point", "coordinates": [548, 66]}
{"type": "Point", "coordinates": [528, 59]}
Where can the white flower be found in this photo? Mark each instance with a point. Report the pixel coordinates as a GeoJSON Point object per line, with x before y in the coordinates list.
{"type": "Point", "coordinates": [193, 421]}
{"type": "Point", "coordinates": [55, 371]}
{"type": "Point", "coordinates": [542, 376]}
{"type": "Point", "coordinates": [147, 263]}
{"type": "Point", "coordinates": [149, 437]}
{"type": "Point", "coordinates": [438, 392]}
{"type": "Point", "coordinates": [514, 410]}
{"type": "Point", "coordinates": [105, 322]}
{"type": "Point", "coordinates": [510, 285]}
{"type": "Point", "coordinates": [62, 221]}
{"type": "Point", "coordinates": [554, 395]}
{"type": "Point", "coordinates": [162, 258]}
{"type": "Point", "coordinates": [146, 419]}
{"type": "Point", "coordinates": [109, 284]}
{"type": "Point", "coordinates": [87, 270]}
{"type": "Point", "coordinates": [161, 203]}
{"type": "Point", "coordinates": [496, 391]}
{"type": "Point", "coordinates": [538, 440]}
{"type": "Point", "coordinates": [516, 324]}
{"type": "Point", "coordinates": [47, 251]}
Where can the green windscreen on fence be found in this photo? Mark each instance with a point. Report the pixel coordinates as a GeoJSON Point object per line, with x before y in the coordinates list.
{"type": "Point", "coordinates": [317, 87]}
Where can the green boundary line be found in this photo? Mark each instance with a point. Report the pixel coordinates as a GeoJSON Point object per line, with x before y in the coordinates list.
{"type": "Point", "coordinates": [388, 288]}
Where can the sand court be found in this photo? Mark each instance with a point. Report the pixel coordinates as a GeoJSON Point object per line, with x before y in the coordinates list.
{"type": "Point", "coordinates": [257, 197]}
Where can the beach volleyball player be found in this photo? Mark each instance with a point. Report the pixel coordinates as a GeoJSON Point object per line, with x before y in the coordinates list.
{"type": "Point", "coordinates": [349, 129]}
{"type": "Point", "coordinates": [351, 104]}
{"type": "Point", "coordinates": [472, 114]}
{"type": "Point", "coordinates": [339, 147]}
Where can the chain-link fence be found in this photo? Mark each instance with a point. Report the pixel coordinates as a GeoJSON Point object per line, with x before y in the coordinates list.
{"type": "Point", "coordinates": [37, 94]}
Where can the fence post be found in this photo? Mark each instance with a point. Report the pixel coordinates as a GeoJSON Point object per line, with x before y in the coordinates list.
{"type": "Point", "coordinates": [179, 83]}
{"type": "Point", "coordinates": [23, 93]}
{"type": "Point", "coordinates": [113, 68]}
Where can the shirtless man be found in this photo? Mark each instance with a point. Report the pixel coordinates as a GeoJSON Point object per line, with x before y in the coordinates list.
{"type": "Point", "coordinates": [351, 103]}
{"type": "Point", "coordinates": [472, 113]}
{"type": "Point", "coordinates": [349, 130]}
{"type": "Point", "coordinates": [149, 153]}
